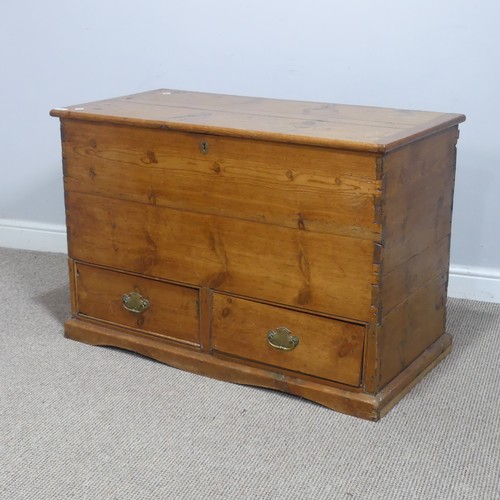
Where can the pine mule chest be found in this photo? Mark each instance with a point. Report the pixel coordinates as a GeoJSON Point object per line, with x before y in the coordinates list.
{"type": "Point", "coordinates": [298, 246]}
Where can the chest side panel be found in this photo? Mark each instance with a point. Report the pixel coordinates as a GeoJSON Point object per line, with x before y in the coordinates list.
{"type": "Point", "coordinates": [417, 206]}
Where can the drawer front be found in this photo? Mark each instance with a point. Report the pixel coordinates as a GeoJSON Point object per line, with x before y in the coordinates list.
{"type": "Point", "coordinates": [316, 346]}
{"type": "Point", "coordinates": [312, 188]}
{"type": "Point", "coordinates": [314, 271]}
{"type": "Point", "coordinates": [171, 311]}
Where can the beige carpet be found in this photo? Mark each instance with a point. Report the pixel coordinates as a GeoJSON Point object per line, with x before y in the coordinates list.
{"type": "Point", "coordinates": [99, 423]}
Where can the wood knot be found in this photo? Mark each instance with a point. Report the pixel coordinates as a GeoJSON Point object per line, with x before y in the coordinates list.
{"type": "Point", "coordinates": [216, 168]}
{"type": "Point", "coordinates": [225, 312]}
{"type": "Point", "coordinates": [304, 296]}
{"type": "Point", "coordinates": [152, 197]}
{"type": "Point", "coordinates": [290, 175]}
{"type": "Point", "coordinates": [150, 158]}
{"type": "Point", "coordinates": [300, 222]}
{"type": "Point", "coordinates": [344, 350]}
{"type": "Point", "coordinates": [217, 280]}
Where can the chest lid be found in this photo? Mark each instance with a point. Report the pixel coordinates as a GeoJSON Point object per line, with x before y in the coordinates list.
{"type": "Point", "coordinates": [360, 128]}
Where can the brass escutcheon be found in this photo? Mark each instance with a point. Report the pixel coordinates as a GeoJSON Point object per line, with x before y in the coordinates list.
{"type": "Point", "coordinates": [282, 338]}
{"type": "Point", "coordinates": [135, 302]}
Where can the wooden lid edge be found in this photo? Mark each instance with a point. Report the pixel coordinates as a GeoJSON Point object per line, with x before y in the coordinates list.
{"type": "Point", "coordinates": [66, 114]}
{"type": "Point", "coordinates": [443, 122]}
{"type": "Point", "coordinates": [390, 143]}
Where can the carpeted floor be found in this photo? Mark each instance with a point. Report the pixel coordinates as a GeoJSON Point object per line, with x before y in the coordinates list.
{"type": "Point", "coordinates": [99, 423]}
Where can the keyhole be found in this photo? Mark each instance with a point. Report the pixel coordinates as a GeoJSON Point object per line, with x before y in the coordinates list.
{"type": "Point", "coordinates": [204, 147]}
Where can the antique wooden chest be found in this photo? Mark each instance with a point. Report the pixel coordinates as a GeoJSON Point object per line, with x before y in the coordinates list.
{"type": "Point", "coordinates": [298, 246]}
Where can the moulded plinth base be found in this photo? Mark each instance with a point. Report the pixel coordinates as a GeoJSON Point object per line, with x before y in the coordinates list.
{"type": "Point", "coordinates": [347, 400]}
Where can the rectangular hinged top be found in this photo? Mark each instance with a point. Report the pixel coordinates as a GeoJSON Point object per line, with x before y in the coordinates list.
{"type": "Point", "coordinates": [360, 128]}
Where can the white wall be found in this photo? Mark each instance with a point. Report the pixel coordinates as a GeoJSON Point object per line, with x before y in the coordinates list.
{"type": "Point", "coordinates": [434, 55]}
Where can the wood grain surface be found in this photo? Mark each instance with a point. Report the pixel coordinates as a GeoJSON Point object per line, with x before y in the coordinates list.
{"type": "Point", "coordinates": [317, 271]}
{"type": "Point", "coordinates": [308, 188]}
{"type": "Point", "coordinates": [173, 310]}
{"type": "Point", "coordinates": [418, 197]}
{"type": "Point", "coordinates": [411, 327]}
{"type": "Point", "coordinates": [358, 128]}
{"type": "Point", "coordinates": [327, 348]}
{"type": "Point", "coordinates": [417, 208]}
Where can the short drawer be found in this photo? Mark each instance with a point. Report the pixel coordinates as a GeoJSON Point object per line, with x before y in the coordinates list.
{"type": "Point", "coordinates": [142, 304]}
{"type": "Point", "coordinates": [287, 339]}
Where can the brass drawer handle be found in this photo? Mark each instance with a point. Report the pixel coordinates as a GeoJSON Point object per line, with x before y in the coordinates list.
{"type": "Point", "coordinates": [282, 338]}
{"type": "Point", "coordinates": [135, 302]}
